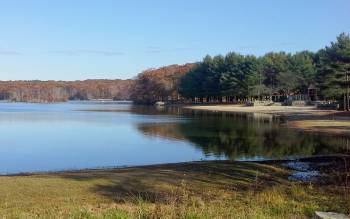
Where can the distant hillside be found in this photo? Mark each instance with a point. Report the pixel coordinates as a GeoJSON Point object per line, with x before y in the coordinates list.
{"type": "Point", "coordinates": [148, 87]}
{"type": "Point", "coordinates": [56, 91]}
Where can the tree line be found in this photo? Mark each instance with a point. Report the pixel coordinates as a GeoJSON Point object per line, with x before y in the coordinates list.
{"type": "Point", "coordinates": [277, 76]}
{"type": "Point", "coordinates": [148, 87]}
{"type": "Point", "coordinates": [236, 77]}
{"type": "Point", "coordinates": [60, 91]}
{"type": "Point", "coordinates": [240, 77]}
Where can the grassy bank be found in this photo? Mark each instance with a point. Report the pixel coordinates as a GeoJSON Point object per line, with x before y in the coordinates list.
{"type": "Point", "coordinates": [188, 190]}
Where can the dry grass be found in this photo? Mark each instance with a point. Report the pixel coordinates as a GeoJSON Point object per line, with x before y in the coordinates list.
{"type": "Point", "coordinates": [189, 190]}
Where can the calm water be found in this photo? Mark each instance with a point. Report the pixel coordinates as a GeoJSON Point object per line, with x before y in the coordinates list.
{"type": "Point", "coordinates": [77, 135]}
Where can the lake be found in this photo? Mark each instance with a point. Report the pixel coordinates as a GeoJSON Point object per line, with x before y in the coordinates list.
{"type": "Point", "coordinates": [80, 135]}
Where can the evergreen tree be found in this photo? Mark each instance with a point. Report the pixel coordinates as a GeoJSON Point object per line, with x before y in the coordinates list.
{"type": "Point", "coordinates": [255, 78]}
{"type": "Point", "coordinates": [303, 67]}
{"type": "Point", "coordinates": [334, 70]}
{"type": "Point", "coordinates": [274, 64]}
{"type": "Point", "coordinates": [241, 76]}
{"type": "Point", "coordinates": [232, 80]}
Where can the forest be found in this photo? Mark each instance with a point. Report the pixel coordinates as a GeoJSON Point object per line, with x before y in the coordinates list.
{"type": "Point", "coordinates": [148, 87]}
{"type": "Point", "coordinates": [235, 77]}
{"type": "Point", "coordinates": [159, 84]}
{"type": "Point", "coordinates": [60, 91]}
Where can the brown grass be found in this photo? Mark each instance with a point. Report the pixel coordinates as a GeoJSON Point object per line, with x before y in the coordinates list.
{"type": "Point", "coordinates": [221, 189]}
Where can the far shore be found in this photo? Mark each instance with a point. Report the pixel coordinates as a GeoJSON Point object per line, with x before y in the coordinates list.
{"type": "Point", "coordinates": [306, 118]}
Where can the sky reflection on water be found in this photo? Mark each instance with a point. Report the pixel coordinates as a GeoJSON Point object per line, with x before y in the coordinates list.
{"type": "Point", "coordinates": [49, 137]}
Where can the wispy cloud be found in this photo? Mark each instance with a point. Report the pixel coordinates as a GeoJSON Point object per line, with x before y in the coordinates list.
{"type": "Point", "coordinates": [288, 44]}
{"type": "Point", "coordinates": [271, 47]}
{"type": "Point", "coordinates": [155, 49]}
{"type": "Point", "coordinates": [249, 47]}
{"type": "Point", "coordinates": [9, 53]}
{"type": "Point", "coordinates": [87, 52]}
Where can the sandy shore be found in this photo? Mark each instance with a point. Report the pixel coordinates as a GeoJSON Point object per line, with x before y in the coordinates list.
{"type": "Point", "coordinates": [305, 118]}
{"type": "Point", "coordinates": [276, 110]}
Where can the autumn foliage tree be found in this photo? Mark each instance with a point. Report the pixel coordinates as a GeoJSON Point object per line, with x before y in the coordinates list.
{"type": "Point", "coordinates": [59, 91]}
{"type": "Point", "coordinates": [159, 84]}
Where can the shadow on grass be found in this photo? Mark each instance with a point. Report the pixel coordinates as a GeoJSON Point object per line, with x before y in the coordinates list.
{"type": "Point", "coordinates": [170, 182]}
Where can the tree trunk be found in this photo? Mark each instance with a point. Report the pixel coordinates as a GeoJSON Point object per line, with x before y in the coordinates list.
{"type": "Point", "coordinates": [347, 92]}
{"type": "Point", "coordinates": [344, 102]}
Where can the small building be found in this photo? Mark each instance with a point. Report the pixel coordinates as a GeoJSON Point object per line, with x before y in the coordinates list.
{"type": "Point", "coordinates": [312, 92]}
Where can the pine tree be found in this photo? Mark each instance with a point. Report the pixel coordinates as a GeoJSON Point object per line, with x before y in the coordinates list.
{"type": "Point", "coordinates": [334, 70]}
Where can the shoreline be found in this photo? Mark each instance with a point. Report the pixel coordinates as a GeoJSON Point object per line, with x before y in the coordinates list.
{"type": "Point", "coordinates": [278, 162]}
{"type": "Point", "coordinates": [306, 118]}
{"type": "Point", "coordinates": [205, 189]}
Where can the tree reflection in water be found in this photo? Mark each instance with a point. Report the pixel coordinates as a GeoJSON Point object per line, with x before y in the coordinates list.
{"type": "Point", "coordinates": [241, 136]}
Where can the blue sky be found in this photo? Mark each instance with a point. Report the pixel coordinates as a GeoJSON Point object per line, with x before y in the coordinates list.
{"type": "Point", "coordinates": [80, 39]}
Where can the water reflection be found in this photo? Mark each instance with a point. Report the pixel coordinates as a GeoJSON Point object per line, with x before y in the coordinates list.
{"type": "Point", "coordinates": [245, 136]}
{"type": "Point", "coordinates": [46, 137]}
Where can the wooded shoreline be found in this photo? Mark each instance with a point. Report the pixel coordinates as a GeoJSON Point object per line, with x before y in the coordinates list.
{"type": "Point", "coordinates": [232, 78]}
